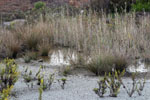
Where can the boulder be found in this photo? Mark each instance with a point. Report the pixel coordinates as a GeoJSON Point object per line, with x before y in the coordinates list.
{"type": "Point", "coordinates": [14, 24]}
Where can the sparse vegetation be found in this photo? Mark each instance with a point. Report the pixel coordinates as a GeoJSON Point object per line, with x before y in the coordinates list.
{"type": "Point", "coordinates": [66, 70]}
{"type": "Point", "coordinates": [105, 44]}
{"type": "Point", "coordinates": [30, 56]}
{"type": "Point", "coordinates": [101, 90]}
{"type": "Point", "coordinates": [44, 48]}
{"type": "Point", "coordinates": [8, 77]}
{"type": "Point", "coordinates": [110, 81]}
{"type": "Point", "coordinates": [41, 89]}
{"type": "Point", "coordinates": [62, 82]}
{"type": "Point", "coordinates": [137, 86]}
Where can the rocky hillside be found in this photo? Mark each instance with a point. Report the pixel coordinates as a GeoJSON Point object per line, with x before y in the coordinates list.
{"type": "Point", "coordinates": [22, 5]}
{"type": "Point", "coordinates": [14, 5]}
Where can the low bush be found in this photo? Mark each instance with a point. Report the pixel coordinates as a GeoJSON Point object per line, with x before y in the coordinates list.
{"type": "Point", "coordinates": [39, 5]}
{"type": "Point", "coordinates": [137, 85]}
{"type": "Point", "coordinates": [110, 81]}
{"type": "Point", "coordinates": [8, 77]}
{"type": "Point", "coordinates": [4, 95]}
{"type": "Point", "coordinates": [141, 5]}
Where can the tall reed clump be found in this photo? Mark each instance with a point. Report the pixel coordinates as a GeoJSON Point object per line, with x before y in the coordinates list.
{"type": "Point", "coordinates": [102, 64]}
{"type": "Point", "coordinates": [10, 45]}
{"type": "Point", "coordinates": [90, 33]}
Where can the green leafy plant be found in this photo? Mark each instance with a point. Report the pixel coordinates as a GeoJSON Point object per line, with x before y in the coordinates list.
{"type": "Point", "coordinates": [110, 81]}
{"type": "Point", "coordinates": [41, 89]}
{"type": "Point", "coordinates": [4, 95]}
{"type": "Point", "coordinates": [50, 80]}
{"type": "Point", "coordinates": [47, 83]}
{"type": "Point", "coordinates": [113, 82]}
{"type": "Point", "coordinates": [102, 87]}
{"type": "Point", "coordinates": [27, 76]}
{"type": "Point", "coordinates": [137, 86]}
{"type": "Point", "coordinates": [141, 5]}
{"type": "Point", "coordinates": [39, 5]}
{"type": "Point", "coordinates": [9, 74]}
{"type": "Point", "coordinates": [134, 85]}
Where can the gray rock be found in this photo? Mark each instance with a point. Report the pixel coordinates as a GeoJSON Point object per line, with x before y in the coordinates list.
{"type": "Point", "coordinates": [14, 24]}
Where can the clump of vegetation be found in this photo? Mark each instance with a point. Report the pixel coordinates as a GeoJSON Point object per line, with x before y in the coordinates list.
{"type": "Point", "coordinates": [39, 5]}
{"type": "Point", "coordinates": [10, 44]}
{"type": "Point", "coordinates": [110, 81]}
{"type": "Point", "coordinates": [50, 80]}
{"type": "Point", "coordinates": [44, 48]}
{"type": "Point", "coordinates": [4, 95]}
{"type": "Point", "coordinates": [41, 89]}
{"type": "Point", "coordinates": [62, 82]}
{"type": "Point", "coordinates": [8, 77]}
{"type": "Point", "coordinates": [102, 64]}
{"type": "Point", "coordinates": [141, 86]}
{"type": "Point", "coordinates": [47, 82]}
{"type": "Point", "coordinates": [30, 56]}
{"type": "Point", "coordinates": [66, 70]}
{"type": "Point", "coordinates": [113, 82]}
{"type": "Point", "coordinates": [101, 90]}
{"type": "Point", "coordinates": [135, 87]}
{"type": "Point", "coordinates": [27, 76]}
{"type": "Point", "coordinates": [8, 74]}
{"type": "Point", "coordinates": [141, 5]}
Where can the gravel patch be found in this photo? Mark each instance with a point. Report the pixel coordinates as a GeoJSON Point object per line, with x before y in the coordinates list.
{"type": "Point", "coordinates": [78, 87]}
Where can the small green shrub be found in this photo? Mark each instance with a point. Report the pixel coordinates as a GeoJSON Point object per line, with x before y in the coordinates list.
{"type": "Point", "coordinates": [113, 82]}
{"type": "Point", "coordinates": [110, 81]}
{"type": "Point", "coordinates": [141, 5]}
{"type": "Point", "coordinates": [8, 77]}
{"type": "Point", "coordinates": [47, 82]}
{"type": "Point", "coordinates": [101, 90]}
{"type": "Point", "coordinates": [27, 76]}
{"type": "Point", "coordinates": [4, 95]}
{"type": "Point", "coordinates": [137, 85]}
{"type": "Point", "coordinates": [8, 74]}
{"type": "Point", "coordinates": [104, 64]}
{"type": "Point", "coordinates": [39, 5]}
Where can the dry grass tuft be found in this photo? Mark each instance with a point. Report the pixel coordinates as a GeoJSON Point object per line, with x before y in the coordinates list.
{"type": "Point", "coordinates": [125, 35]}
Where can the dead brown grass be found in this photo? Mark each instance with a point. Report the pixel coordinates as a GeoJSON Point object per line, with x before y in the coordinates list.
{"type": "Point", "coordinates": [90, 34]}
